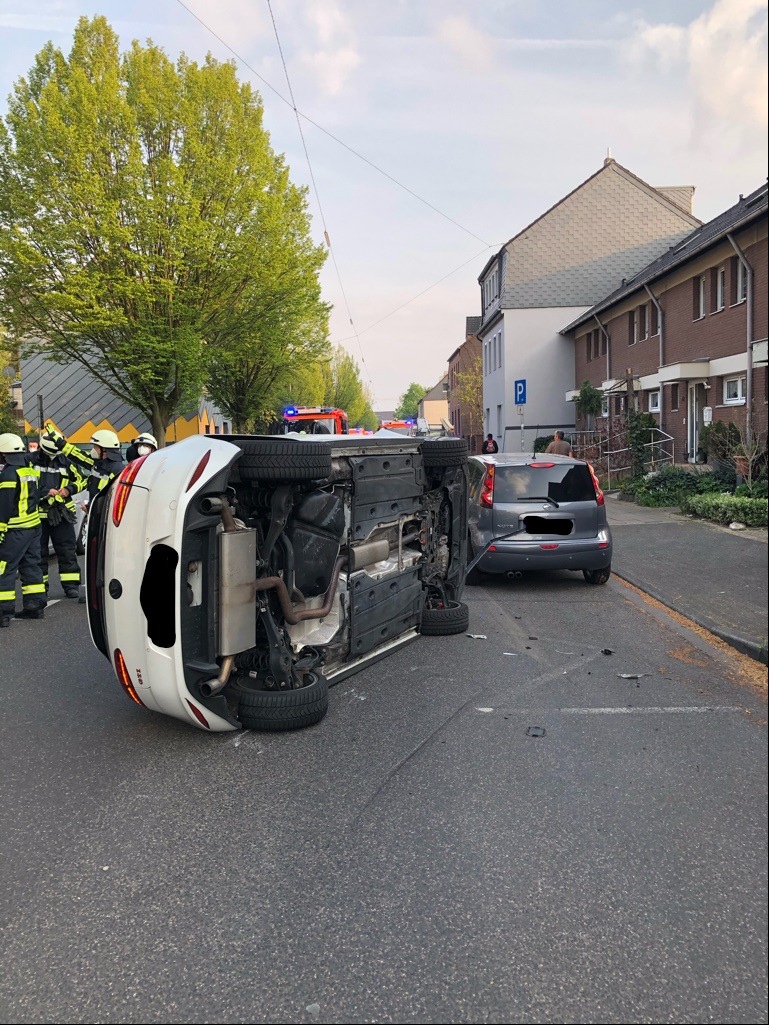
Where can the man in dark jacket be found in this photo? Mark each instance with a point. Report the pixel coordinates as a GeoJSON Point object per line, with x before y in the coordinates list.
{"type": "Point", "coordinates": [60, 479]}
{"type": "Point", "coordinates": [100, 466]}
{"type": "Point", "coordinates": [489, 447]}
{"type": "Point", "coordinates": [19, 533]}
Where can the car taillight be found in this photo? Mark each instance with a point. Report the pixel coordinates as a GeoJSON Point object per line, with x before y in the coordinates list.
{"type": "Point", "coordinates": [121, 670]}
{"type": "Point", "coordinates": [599, 497]}
{"type": "Point", "coordinates": [199, 470]}
{"type": "Point", "coordinates": [549, 548]}
{"type": "Point", "coordinates": [487, 488]}
{"type": "Point", "coordinates": [542, 466]}
{"type": "Point", "coordinates": [123, 489]}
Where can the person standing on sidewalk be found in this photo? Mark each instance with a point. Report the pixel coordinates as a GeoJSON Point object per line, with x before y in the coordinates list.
{"type": "Point", "coordinates": [60, 479]}
{"type": "Point", "coordinates": [489, 446]}
{"type": "Point", "coordinates": [19, 533]}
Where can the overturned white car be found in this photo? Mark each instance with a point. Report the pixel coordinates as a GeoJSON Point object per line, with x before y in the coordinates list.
{"type": "Point", "coordinates": [230, 582]}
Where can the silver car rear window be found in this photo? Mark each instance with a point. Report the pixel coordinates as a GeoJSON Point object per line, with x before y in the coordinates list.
{"type": "Point", "coordinates": [561, 482]}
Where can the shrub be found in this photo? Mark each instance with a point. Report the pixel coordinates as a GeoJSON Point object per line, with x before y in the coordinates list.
{"type": "Point", "coordinates": [754, 512]}
{"type": "Point", "coordinates": [540, 444]}
{"type": "Point", "coordinates": [719, 439]}
{"type": "Point", "coordinates": [666, 486]}
{"type": "Point", "coordinates": [758, 489]}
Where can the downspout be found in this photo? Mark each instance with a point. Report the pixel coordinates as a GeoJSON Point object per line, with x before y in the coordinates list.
{"type": "Point", "coordinates": [661, 319]}
{"type": "Point", "coordinates": [749, 332]}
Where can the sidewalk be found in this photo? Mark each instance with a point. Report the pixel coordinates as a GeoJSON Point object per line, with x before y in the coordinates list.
{"type": "Point", "coordinates": [714, 576]}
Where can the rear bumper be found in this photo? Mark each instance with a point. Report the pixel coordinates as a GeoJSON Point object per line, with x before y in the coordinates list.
{"type": "Point", "coordinates": [511, 556]}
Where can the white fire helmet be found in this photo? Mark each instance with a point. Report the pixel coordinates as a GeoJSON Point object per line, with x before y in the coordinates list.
{"type": "Point", "coordinates": [106, 439]}
{"type": "Point", "coordinates": [10, 443]}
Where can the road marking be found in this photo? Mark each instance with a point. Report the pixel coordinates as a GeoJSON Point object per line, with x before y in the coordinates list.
{"type": "Point", "coordinates": [656, 709]}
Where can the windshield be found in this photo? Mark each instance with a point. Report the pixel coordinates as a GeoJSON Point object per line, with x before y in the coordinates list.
{"type": "Point", "coordinates": [311, 425]}
{"type": "Point", "coordinates": [559, 482]}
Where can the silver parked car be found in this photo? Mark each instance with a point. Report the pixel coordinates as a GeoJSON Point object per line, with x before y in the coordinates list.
{"type": "Point", "coordinates": [537, 512]}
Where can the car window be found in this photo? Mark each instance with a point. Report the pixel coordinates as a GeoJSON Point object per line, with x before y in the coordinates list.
{"type": "Point", "coordinates": [561, 482]}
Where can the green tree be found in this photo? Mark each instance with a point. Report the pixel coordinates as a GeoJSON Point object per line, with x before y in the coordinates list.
{"type": "Point", "coordinates": [470, 389]}
{"type": "Point", "coordinates": [408, 407]}
{"type": "Point", "coordinates": [589, 401]}
{"type": "Point", "coordinates": [146, 226]}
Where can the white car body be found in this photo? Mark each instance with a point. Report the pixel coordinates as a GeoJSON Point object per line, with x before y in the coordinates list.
{"type": "Point", "coordinates": [173, 592]}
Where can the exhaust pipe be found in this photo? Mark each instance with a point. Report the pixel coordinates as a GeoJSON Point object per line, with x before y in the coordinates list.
{"type": "Point", "coordinates": [212, 687]}
{"type": "Point", "coordinates": [514, 574]}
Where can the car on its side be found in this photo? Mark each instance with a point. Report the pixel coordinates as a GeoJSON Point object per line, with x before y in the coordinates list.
{"type": "Point", "coordinates": [537, 512]}
{"type": "Point", "coordinates": [229, 582]}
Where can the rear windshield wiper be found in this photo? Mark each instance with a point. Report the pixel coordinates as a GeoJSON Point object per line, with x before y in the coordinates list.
{"type": "Point", "coordinates": [539, 498]}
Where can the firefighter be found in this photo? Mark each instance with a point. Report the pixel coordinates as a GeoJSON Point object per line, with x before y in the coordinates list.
{"type": "Point", "coordinates": [19, 533]}
{"type": "Point", "coordinates": [100, 466]}
{"type": "Point", "coordinates": [144, 445]}
{"type": "Point", "coordinates": [60, 479]}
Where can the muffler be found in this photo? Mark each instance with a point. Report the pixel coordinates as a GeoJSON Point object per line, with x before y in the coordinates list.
{"type": "Point", "coordinates": [514, 574]}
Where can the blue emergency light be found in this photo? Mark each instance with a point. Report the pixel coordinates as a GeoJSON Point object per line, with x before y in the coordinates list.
{"type": "Point", "coordinates": [289, 411]}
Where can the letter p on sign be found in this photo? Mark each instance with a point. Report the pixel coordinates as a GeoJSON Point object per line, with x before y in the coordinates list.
{"type": "Point", "coordinates": [520, 392]}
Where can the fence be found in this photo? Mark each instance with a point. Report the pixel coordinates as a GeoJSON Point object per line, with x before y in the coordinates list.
{"type": "Point", "coordinates": [611, 456]}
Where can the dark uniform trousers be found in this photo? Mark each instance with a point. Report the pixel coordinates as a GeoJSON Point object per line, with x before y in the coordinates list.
{"type": "Point", "coordinates": [20, 553]}
{"type": "Point", "coordinates": [64, 543]}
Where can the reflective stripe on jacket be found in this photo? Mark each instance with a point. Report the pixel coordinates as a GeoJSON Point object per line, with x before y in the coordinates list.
{"type": "Point", "coordinates": [57, 472]}
{"type": "Point", "coordinates": [19, 482]}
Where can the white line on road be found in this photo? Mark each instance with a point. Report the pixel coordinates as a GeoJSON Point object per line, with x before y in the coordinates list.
{"type": "Point", "coordinates": [658, 710]}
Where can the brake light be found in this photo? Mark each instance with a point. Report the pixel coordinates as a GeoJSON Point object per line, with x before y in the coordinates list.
{"type": "Point", "coordinates": [599, 496]}
{"type": "Point", "coordinates": [121, 670]}
{"type": "Point", "coordinates": [199, 470]}
{"type": "Point", "coordinates": [542, 466]}
{"type": "Point", "coordinates": [487, 488]}
{"type": "Point", "coordinates": [548, 548]}
{"type": "Point", "coordinates": [123, 489]}
{"type": "Point", "coordinates": [199, 715]}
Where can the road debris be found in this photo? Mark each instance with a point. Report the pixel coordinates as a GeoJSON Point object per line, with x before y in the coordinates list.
{"type": "Point", "coordinates": [631, 676]}
{"type": "Point", "coordinates": [484, 710]}
{"type": "Point", "coordinates": [514, 653]}
{"type": "Point", "coordinates": [536, 731]}
{"type": "Point", "coordinates": [477, 637]}
{"type": "Point", "coordinates": [607, 651]}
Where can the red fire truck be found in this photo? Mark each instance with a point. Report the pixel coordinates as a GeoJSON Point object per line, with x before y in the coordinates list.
{"type": "Point", "coordinates": [314, 420]}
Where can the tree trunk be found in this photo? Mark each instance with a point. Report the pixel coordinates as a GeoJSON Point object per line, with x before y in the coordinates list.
{"type": "Point", "coordinates": [159, 424]}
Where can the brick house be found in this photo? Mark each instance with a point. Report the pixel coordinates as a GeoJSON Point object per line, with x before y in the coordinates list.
{"type": "Point", "coordinates": [690, 328]}
{"type": "Point", "coordinates": [465, 360]}
{"type": "Point", "coordinates": [553, 271]}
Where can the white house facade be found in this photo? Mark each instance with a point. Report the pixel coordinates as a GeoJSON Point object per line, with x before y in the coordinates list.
{"type": "Point", "coordinates": [554, 270]}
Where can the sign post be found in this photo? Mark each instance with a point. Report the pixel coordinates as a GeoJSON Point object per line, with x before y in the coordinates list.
{"type": "Point", "coordinates": [519, 392]}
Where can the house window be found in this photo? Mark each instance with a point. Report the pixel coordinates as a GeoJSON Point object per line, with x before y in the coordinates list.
{"type": "Point", "coordinates": [501, 349]}
{"type": "Point", "coordinates": [642, 323]}
{"type": "Point", "coordinates": [741, 279]}
{"type": "Point", "coordinates": [488, 420]}
{"type": "Point", "coordinates": [699, 297]}
{"type": "Point", "coordinates": [734, 390]}
{"type": "Point", "coordinates": [499, 421]}
{"type": "Point", "coordinates": [604, 406]}
{"type": "Point", "coordinates": [654, 401]}
{"type": "Point", "coordinates": [674, 397]}
{"type": "Point", "coordinates": [604, 343]}
{"type": "Point", "coordinates": [633, 327]}
{"type": "Point", "coordinates": [589, 346]}
{"type": "Point", "coordinates": [720, 295]}
{"type": "Point", "coordinates": [596, 344]}
{"type": "Point", "coordinates": [655, 317]}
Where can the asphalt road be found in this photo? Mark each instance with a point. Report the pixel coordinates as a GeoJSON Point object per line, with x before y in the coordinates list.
{"type": "Point", "coordinates": [416, 857]}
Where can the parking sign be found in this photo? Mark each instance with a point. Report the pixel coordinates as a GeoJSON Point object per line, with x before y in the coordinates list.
{"type": "Point", "coordinates": [520, 392]}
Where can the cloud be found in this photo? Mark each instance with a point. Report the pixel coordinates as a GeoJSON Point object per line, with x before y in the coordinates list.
{"type": "Point", "coordinates": [723, 52]}
{"type": "Point", "coordinates": [337, 57]}
{"type": "Point", "coordinates": [474, 48]}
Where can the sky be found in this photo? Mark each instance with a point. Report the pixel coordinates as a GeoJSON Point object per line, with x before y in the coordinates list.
{"type": "Point", "coordinates": [438, 129]}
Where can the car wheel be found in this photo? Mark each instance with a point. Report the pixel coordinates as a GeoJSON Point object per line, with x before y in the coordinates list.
{"type": "Point", "coordinates": [284, 709]}
{"type": "Point", "coordinates": [80, 543]}
{"type": "Point", "coordinates": [597, 576]}
{"type": "Point", "coordinates": [444, 452]}
{"type": "Point", "coordinates": [453, 617]}
{"type": "Point", "coordinates": [283, 460]}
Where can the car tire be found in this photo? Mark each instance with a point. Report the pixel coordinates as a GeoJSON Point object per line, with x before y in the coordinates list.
{"type": "Point", "coordinates": [283, 460]}
{"type": "Point", "coordinates": [453, 618]}
{"type": "Point", "coordinates": [597, 576]}
{"type": "Point", "coordinates": [446, 452]}
{"type": "Point", "coordinates": [80, 543]}
{"type": "Point", "coordinates": [281, 710]}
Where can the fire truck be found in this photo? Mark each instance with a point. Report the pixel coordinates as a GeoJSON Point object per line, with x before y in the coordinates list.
{"type": "Point", "coordinates": [313, 420]}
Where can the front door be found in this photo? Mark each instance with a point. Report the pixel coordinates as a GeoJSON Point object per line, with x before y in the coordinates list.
{"type": "Point", "coordinates": [693, 415]}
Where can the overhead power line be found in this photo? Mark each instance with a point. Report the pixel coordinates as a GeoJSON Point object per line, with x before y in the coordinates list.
{"type": "Point", "coordinates": [335, 138]}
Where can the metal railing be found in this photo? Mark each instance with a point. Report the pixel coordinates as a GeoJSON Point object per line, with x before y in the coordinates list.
{"type": "Point", "coordinates": [618, 462]}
